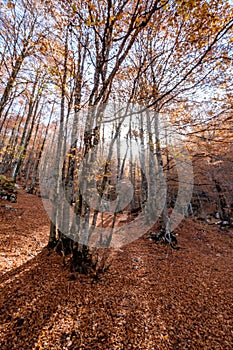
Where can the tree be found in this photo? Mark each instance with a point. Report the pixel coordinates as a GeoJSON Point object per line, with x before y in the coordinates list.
{"type": "Point", "coordinates": [160, 55]}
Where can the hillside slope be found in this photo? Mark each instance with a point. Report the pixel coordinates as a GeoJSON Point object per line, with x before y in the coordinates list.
{"type": "Point", "coordinates": [152, 297]}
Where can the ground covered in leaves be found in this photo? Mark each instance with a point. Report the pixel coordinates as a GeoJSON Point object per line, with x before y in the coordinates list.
{"type": "Point", "coordinates": [152, 297]}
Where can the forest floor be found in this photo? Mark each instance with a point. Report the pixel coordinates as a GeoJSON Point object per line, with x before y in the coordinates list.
{"type": "Point", "coordinates": [152, 297]}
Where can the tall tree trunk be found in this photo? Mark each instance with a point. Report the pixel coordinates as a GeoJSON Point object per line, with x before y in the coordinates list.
{"type": "Point", "coordinates": [57, 180]}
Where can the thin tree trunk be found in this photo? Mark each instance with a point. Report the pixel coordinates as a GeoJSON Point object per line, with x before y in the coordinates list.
{"type": "Point", "coordinates": [36, 166]}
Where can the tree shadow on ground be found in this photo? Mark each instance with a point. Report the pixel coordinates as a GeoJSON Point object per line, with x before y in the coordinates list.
{"type": "Point", "coordinates": [30, 295]}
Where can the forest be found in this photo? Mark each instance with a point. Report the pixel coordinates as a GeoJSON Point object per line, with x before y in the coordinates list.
{"type": "Point", "coordinates": [116, 168]}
